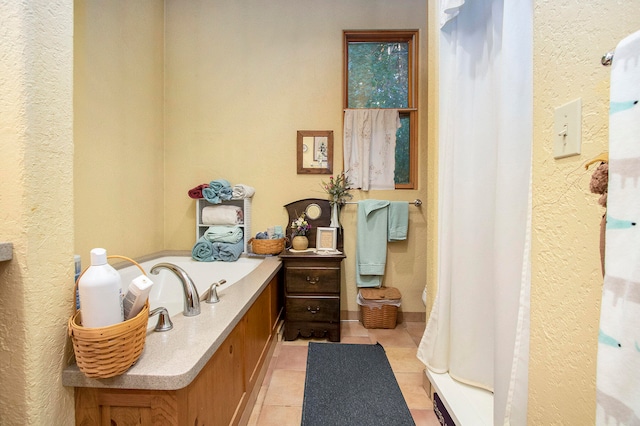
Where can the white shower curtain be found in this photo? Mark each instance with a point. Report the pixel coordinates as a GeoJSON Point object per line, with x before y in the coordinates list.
{"type": "Point", "coordinates": [478, 330]}
{"type": "Point", "coordinates": [618, 373]}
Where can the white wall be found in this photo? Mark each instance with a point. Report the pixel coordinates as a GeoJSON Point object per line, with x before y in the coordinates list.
{"type": "Point", "coordinates": [570, 37]}
{"type": "Point", "coordinates": [36, 209]}
{"type": "Point", "coordinates": [242, 78]}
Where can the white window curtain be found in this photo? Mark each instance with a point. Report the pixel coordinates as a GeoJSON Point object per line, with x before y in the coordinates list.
{"type": "Point", "coordinates": [370, 147]}
{"type": "Point", "coordinates": [478, 331]}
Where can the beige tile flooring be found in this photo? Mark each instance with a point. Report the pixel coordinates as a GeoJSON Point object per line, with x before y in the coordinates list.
{"type": "Point", "coordinates": [280, 398]}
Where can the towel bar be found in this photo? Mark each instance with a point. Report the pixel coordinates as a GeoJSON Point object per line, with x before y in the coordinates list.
{"type": "Point", "coordinates": [417, 202]}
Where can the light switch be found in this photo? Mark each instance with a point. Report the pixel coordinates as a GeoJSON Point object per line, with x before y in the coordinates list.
{"type": "Point", "coordinates": [567, 129]}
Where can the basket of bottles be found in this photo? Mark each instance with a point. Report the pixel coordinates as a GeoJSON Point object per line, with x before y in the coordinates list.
{"type": "Point", "coordinates": [103, 352]}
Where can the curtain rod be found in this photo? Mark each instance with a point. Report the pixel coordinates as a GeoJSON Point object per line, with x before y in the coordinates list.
{"type": "Point", "coordinates": [607, 58]}
{"type": "Point", "coordinates": [416, 202]}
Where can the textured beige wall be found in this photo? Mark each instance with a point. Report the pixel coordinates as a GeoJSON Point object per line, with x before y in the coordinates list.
{"type": "Point", "coordinates": [569, 39]}
{"type": "Point", "coordinates": [118, 128]}
{"type": "Point", "coordinates": [241, 79]}
{"type": "Point", "coordinates": [36, 201]}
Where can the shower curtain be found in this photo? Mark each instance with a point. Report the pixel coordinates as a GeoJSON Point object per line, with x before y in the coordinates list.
{"type": "Point", "coordinates": [478, 330]}
{"type": "Point", "coordinates": [618, 372]}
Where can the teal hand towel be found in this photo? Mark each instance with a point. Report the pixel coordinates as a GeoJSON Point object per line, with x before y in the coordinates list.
{"type": "Point", "coordinates": [398, 221]}
{"type": "Point", "coordinates": [371, 242]}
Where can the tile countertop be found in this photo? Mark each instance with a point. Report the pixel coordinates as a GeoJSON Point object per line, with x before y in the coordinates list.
{"type": "Point", "coordinates": [172, 359]}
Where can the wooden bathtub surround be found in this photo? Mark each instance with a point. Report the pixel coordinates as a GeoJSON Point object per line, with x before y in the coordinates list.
{"type": "Point", "coordinates": [219, 395]}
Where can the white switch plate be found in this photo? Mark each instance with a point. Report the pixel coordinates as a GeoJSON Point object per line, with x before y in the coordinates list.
{"type": "Point", "coordinates": [567, 129]}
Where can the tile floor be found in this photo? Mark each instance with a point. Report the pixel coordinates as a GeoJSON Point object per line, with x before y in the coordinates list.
{"type": "Point", "coordinates": [280, 399]}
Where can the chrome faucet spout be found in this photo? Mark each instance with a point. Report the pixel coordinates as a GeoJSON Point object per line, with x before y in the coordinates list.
{"type": "Point", "coordinates": [191, 296]}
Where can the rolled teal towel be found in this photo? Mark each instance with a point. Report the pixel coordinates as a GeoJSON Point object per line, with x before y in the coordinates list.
{"type": "Point", "coordinates": [228, 252]}
{"type": "Point", "coordinates": [218, 184]}
{"type": "Point", "coordinates": [211, 195]}
{"type": "Point", "coordinates": [225, 193]}
{"type": "Point", "coordinates": [223, 234]}
{"type": "Point", "coordinates": [218, 190]}
{"type": "Point", "coordinates": [202, 250]}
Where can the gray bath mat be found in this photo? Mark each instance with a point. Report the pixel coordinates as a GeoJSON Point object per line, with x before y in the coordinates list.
{"type": "Point", "coordinates": [348, 384]}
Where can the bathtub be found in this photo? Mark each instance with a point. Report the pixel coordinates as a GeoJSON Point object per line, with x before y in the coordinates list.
{"type": "Point", "coordinates": [172, 359]}
{"type": "Point", "coordinates": [167, 288]}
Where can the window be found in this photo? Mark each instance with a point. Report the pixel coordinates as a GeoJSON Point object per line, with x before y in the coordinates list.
{"type": "Point", "coordinates": [380, 71]}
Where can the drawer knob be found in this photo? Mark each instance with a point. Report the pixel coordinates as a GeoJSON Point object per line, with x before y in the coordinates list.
{"type": "Point", "coordinates": [313, 311]}
{"type": "Point", "coordinates": [313, 280]}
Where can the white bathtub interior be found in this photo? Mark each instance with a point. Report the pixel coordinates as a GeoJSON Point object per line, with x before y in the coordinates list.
{"type": "Point", "coordinates": [467, 405]}
{"type": "Point", "coordinates": [167, 289]}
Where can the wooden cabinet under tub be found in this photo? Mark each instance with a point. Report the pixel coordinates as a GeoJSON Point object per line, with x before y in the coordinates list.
{"type": "Point", "coordinates": [221, 393]}
{"type": "Point", "coordinates": [312, 295]}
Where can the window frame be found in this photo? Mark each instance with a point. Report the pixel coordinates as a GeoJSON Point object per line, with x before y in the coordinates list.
{"type": "Point", "coordinates": [390, 36]}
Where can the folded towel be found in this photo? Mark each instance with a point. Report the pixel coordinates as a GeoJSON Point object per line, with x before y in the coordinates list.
{"type": "Point", "coordinates": [222, 215]}
{"type": "Point", "coordinates": [398, 222]}
{"type": "Point", "coordinates": [217, 191]}
{"type": "Point", "coordinates": [228, 252]}
{"type": "Point", "coordinates": [197, 191]}
{"type": "Point", "coordinates": [243, 191]}
{"type": "Point", "coordinates": [371, 242]}
{"type": "Point", "coordinates": [223, 234]}
{"type": "Point", "coordinates": [202, 250]}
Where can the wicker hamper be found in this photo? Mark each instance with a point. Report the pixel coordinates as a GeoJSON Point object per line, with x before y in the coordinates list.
{"type": "Point", "coordinates": [379, 307]}
{"type": "Point", "coordinates": [103, 352]}
{"type": "Point", "coordinates": [267, 246]}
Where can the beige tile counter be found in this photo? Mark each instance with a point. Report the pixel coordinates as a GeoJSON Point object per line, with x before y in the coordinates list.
{"type": "Point", "coordinates": [171, 360]}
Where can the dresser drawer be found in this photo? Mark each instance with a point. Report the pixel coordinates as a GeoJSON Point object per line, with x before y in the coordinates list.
{"type": "Point", "coordinates": [325, 309]}
{"type": "Point", "coordinates": [312, 280]}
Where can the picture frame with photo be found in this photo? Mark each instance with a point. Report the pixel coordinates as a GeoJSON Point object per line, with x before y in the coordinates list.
{"type": "Point", "coordinates": [326, 239]}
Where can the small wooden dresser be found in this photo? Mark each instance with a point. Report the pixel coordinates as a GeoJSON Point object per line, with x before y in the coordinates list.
{"type": "Point", "coordinates": [311, 280]}
{"type": "Point", "coordinates": [312, 295]}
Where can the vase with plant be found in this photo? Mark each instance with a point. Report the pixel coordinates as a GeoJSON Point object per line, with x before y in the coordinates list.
{"type": "Point", "coordinates": [338, 190]}
{"type": "Point", "coordinates": [299, 229]}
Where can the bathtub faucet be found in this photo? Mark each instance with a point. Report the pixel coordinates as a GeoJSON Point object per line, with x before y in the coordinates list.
{"type": "Point", "coordinates": [191, 296]}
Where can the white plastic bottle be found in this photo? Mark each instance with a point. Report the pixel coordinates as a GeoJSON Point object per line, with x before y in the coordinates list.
{"type": "Point", "coordinates": [136, 296]}
{"type": "Point", "coordinates": [100, 289]}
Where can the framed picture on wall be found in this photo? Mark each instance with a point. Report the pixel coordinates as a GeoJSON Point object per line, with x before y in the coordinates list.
{"type": "Point", "coordinates": [326, 239]}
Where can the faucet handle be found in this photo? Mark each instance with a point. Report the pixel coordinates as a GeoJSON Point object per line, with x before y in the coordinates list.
{"type": "Point", "coordinates": [164, 321]}
{"type": "Point", "coordinates": [212, 297]}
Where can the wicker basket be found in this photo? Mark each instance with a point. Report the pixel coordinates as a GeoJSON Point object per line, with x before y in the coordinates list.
{"type": "Point", "coordinates": [383, 314]}
{"type": "Point", "coordinates": [267, 246]}
{"type": "Point", "coordinates": [103, 352]}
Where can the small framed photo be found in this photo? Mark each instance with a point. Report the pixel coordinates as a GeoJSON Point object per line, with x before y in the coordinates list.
{"type": "Point", "coordinates": [320, 148]}
{"type": "Point", "coordinates": [326, 239]}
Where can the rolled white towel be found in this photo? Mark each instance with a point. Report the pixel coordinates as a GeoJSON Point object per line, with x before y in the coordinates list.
{"type": "Point", "coordinates": [242, 191]}
{"type": "Point", "coordinates": [222, 215]}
